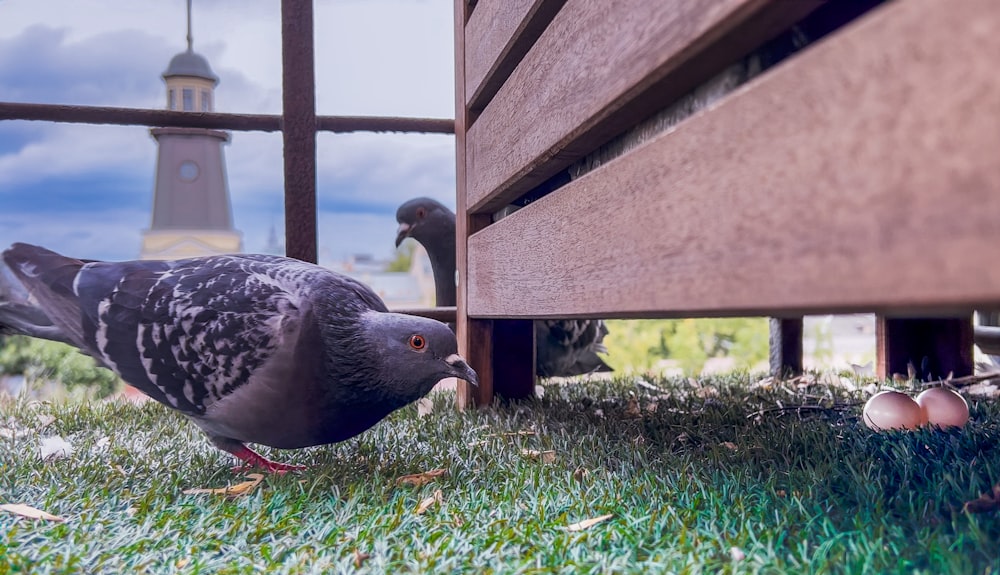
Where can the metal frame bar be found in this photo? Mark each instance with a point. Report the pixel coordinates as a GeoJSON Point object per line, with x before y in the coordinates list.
{"type": "Point", "coordinates": [214, 121]}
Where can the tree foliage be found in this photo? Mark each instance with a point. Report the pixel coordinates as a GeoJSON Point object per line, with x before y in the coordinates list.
{"type": "Point", "coordinates": [404, 257]}
{"type": "Point", "coordinates": [638, 345]}
{"type": "Point", "coordinates": [49, 360]}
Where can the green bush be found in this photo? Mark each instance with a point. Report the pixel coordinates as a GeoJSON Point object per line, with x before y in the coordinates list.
{"type": "Point", "coordinates": [638, 345]}
{"type": "Point", "coordinates": [49, 360]}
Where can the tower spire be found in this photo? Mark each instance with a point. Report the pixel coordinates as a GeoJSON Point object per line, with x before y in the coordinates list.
{"type": "Point", "coordinates": [190, 40]}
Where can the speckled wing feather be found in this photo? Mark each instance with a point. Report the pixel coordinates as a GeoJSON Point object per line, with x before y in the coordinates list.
{"type": "Point", "coordinates": [190, 332]}
{"type": "Point", "coordinates": [568, 347]}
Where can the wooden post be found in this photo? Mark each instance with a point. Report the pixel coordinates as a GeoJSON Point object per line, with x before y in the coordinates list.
{"type": "Point", "coordinates": [473, 338]}
{"type": "Point", "coordinates": [786, 346]}
{"type": "Point", "coordinates": [934, 347]}
{"type": "Point", "coordinates": [513, 358]}
{"type": "Point", "coordinates": [501, 351]}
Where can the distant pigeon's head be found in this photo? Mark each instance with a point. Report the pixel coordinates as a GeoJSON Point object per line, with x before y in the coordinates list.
{"type": "Point", "coordinates": [422, 216]}
{"type": "Point", "coordinates": [414, 354]}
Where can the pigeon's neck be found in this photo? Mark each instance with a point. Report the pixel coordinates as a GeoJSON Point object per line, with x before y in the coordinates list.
{"type": "Point", "coordinates": [440, 246]}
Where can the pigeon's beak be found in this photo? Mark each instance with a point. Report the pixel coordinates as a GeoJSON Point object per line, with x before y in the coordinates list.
{"type": "Point", "coordinates": [402, 232]}
{"type": "Point", "coordinates": [461, 370]}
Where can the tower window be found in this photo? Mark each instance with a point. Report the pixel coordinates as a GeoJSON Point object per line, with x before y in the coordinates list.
{"type": "Point", "coordinates": [206, 101]}
{"type": "Point", "coordinates": [188, 96]}
{"type": "Point", "coordinates": [171, 99]}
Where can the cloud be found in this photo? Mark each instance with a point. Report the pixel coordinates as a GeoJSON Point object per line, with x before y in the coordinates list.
{"type": "Point", "coordinates": [102, 233]}
{"type": "Point", "coordinates": [45, 151]}
{"type": "Point", "coordinates": [42, 65]}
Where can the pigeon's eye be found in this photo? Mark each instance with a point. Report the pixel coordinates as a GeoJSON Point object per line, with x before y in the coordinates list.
{"type": "Point", "coordinates": [418, 342]}
{"type": "Point", "coordinates": [421, 213]}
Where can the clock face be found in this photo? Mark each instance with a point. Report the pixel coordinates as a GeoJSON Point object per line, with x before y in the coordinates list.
{"type": "Point", "coordinates": [188, 171]}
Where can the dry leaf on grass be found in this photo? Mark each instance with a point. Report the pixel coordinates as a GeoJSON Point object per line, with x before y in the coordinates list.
{"type": "Point", "coordinates": [729, 445]}
{"type": "Point", "coordinates": [44, 420]}
{"type": "Point", "coordinates": [588, 523]}
{"type": "Point", "coordinates": [543, 456]}
{"type": "Point", "coordinates": [522, 433]}
{"type": "Point", "coordinates": [54, 447]}
{"type": "Point", "coordinates": [425, 406]}
{"type": "Point", "coordinates": [29, 512]}
{"type": "Point", "coordinates": [424, 505]}
{"type": "Point", "coordinates": [984, 503]}
{"type": "Point", "coordinates": [232, 490]}
{"type": "Point", "coordinates": [359, 558]}
{"type": "Point", "coordinates": [580, 474]}
{"type": "Point", "coordinates": [418, 479]}
{"type": "Point", "coordinates": [645, 384]}
{"type": "Point", "coordinates": [632, 409]}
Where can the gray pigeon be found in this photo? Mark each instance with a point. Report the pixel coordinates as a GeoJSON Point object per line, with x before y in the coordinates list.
{"type": "Point", "coordinates": [563, 347]}
{"type": "Point", "coordinates": [253, 348]}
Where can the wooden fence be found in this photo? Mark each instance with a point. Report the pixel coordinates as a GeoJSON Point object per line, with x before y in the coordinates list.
{"type": "Point", "coordinates": [857, 171]}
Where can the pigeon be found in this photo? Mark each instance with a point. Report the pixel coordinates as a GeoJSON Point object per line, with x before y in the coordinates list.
{"type": "Point", "coordinates": [563, 347]}
{"type": "Point", "coordinates": [252, 348]}
{"type": "Point", "coordinates": [433, 225]}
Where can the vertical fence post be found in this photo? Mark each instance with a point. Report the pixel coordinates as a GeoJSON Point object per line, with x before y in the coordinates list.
{"type": "Point", "coordinates": [785, 346]}
{"type": "Point", "coordinates": [299, 128]}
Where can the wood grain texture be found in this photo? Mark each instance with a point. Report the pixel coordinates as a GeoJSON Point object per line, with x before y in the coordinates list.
{"type": "Point", "coordinates": [861, 176]}
{"type": "Point", "coordinates": [499, 33]}
{"type": "Point", "coordinates": [598, 69]}
{"type": "Point", "coordinates": [934, 347]}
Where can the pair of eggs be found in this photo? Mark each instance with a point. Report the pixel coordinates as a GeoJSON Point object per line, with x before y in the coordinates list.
{"type": "Point", "coordinates": [937, 406]}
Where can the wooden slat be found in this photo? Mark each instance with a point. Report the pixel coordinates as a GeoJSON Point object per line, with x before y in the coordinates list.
{"type": "Point", "coordinates": [498, 35]}
{"type": "Point", "coordinates": [863, 175]}
{"type": "Point", "coordinates": [595, 71]}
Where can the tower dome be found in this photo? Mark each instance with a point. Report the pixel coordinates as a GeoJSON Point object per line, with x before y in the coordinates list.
{"type": "Point", "coordinates": [192, 65]}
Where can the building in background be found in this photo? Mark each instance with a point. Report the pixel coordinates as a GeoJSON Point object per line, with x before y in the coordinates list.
{"type": "Point", "coordinates": [403, 289]}
{"type": "Point", "coordinates": [192, 213]}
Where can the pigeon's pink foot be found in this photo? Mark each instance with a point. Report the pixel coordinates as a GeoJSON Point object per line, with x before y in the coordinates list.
{"type": "Point", "coordinates": [255, 460]}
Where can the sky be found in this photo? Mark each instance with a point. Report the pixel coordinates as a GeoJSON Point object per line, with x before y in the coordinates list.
{"type": "Point", "coordinates": [87, 190]}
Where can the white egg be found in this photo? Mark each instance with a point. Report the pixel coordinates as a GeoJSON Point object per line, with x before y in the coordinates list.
{"type": "Point", "coordinates": [943, 407]}
{"type": "Point", "coordinates": [892, 410]}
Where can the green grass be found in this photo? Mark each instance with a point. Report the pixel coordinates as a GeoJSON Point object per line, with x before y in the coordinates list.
{"type": "Point", "coordinates": [816, 493]}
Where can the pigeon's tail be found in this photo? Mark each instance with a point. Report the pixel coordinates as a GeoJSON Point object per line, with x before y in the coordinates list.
{"type": "Point", "coordinates": [19, 312]}
{"type": "Point", "coordinates": [36, 294]}
{"type": "Point", "coordinates": [590, 362]}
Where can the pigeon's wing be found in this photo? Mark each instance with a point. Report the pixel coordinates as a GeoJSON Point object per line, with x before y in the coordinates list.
{"type": "Point", "coordinates": [190, 332]}
{"type": "Point", "coordinates": [567, 347]}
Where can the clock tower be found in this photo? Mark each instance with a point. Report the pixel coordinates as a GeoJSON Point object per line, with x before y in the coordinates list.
{"type": "Point", "coordinates": [192, 215]}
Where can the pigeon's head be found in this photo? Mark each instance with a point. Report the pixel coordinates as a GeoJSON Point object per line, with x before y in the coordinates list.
{"type": "Point", "coordinates": [415, 353]}
{"type": "Point", "coordinates": [422, 215]}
